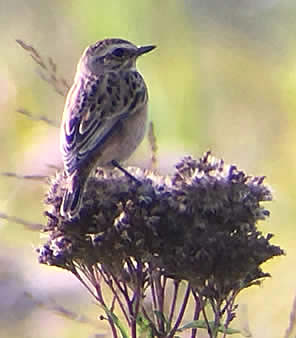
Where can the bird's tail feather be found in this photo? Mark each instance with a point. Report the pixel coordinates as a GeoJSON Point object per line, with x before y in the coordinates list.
{"type": "Point", "coordinates": [71, 203]}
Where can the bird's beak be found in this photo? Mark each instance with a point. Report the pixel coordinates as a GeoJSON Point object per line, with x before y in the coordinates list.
{"type": "Point", "coordinates": [145, 49]}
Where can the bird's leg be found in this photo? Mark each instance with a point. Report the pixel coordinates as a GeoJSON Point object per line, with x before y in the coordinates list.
{"type": "Point", "coordinates": [117, 165]}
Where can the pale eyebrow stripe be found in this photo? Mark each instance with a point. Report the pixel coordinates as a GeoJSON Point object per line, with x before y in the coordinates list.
{"type": "Point", "coordinates": [120, 44]}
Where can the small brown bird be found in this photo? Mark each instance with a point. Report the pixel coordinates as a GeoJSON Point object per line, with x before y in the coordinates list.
{"type": "Point", "coordinates": [105, 114]}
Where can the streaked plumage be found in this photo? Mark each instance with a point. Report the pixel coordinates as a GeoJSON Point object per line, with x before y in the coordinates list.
{"type": "Point", "coordinates": [104, 116]}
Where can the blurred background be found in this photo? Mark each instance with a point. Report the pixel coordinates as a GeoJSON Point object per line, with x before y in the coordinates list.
{"type": "Point", "coordinates": [222, 78]}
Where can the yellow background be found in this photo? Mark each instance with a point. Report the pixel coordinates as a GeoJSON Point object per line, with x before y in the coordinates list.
{"type": "Point", "coordinates": [222, 78]}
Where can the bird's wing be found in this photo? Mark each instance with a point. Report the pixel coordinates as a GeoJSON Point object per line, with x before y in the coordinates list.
{"type": "Point", "coordinates": [89, 117]}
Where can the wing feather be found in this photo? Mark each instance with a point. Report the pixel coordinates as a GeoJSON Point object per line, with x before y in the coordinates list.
{"type": "Point", "coordinates": [86, 124]}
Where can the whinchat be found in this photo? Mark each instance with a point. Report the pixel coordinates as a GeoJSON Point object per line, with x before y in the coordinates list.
{"type": "Point", "coordinates": [105, 114]}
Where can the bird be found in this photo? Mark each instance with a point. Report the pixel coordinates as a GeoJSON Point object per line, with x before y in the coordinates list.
{"type": "Point", "coordinates": [105, 115]}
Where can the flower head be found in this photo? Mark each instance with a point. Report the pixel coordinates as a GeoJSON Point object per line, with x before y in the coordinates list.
{"type": "Point", "coordinates": [199, 224]}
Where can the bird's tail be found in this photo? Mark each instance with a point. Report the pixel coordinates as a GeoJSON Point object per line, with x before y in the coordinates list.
{"type": "Point", "coordinates": [71, 203]}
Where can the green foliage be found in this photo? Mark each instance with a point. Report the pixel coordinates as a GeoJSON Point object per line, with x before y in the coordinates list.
{"type": "Point", "coordinates": [201, 324]}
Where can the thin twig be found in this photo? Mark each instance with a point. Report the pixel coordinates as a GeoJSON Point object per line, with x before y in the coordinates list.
{"type": "Point", "coordinates": [203, 310]}
{"type": "Point", "coordinates": [25, 177]}
{"type": "Point", "coordinates": [49, 69]}
{"type": "Point", "coordinates": [228, 302]}
{"type": "Point", "coordinates": [137, 298]}
{"type": "Point", "coordinates": [61, 310]}
{"type": "Point", "coordinates": [97, 285]}
{"type": "Point", "coordinates": [181, 312]}
{"type": "Point", "coordinates": [28, 225]}
{"type": "Point", "coordinates": [77, 275]}
{"type": "Point", "coordinates": [215, 305]}
{"type": "Point", "coordinates": [131, 300]}
{"type": "Point", "coordinates": [110, 285]}
{"type": "Point", "coordinates": [33, 52]}
{"type": "Point", "coordinates": [38, 117]}
{"type": "Point", "coordinates": [112, 307]}
{"type": "Point", "coordinates": [153, 276]}
{"type": "Point", "coordinates": [153, 145]}
{"type": "Point", "coordinates": [160, 300]}
{"type": "Point", "coordinates": [152, 325]}
{"type": "Point", "coordinates": [174, 300]}
{"type": "Point", "coordinates": [197, 310]}
{"type": "Point", "coordinates": [55, 83]}
{"type": "Point", "coordinates": [53, 166]}
{"type": "Point", "coordinates": [230, 310]}
{"type": "Point", "coordinates": [88, 273]}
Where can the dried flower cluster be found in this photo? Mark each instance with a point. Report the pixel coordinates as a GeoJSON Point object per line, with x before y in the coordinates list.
{"type": "Point", "coordinates": [198, 225]}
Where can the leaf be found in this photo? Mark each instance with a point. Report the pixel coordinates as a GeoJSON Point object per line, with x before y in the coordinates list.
{"type": "Point", "coordinates": [201, 324]}
{"type": "Point", "coordinates": [144, 326]}
{"type": "Point", "coordinates": [116, 321]}
{"type": "Point", "coordinates": [162, 317]}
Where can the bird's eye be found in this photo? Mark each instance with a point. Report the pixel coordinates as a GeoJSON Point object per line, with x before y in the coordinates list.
{"type": "Point", "coordinates": [118, 52]}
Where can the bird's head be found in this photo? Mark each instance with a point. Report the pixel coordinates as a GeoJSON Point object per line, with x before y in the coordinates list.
{"type": "Point", "coordinates": [111, 55]}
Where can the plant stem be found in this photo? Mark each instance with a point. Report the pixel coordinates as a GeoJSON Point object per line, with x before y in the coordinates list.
{"type": "Point", "coordinates": [174, 301]}
{"type": "Point", "coordinates": [197, 310]}
{"type": "Point", "coordinates": [181, 312]}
